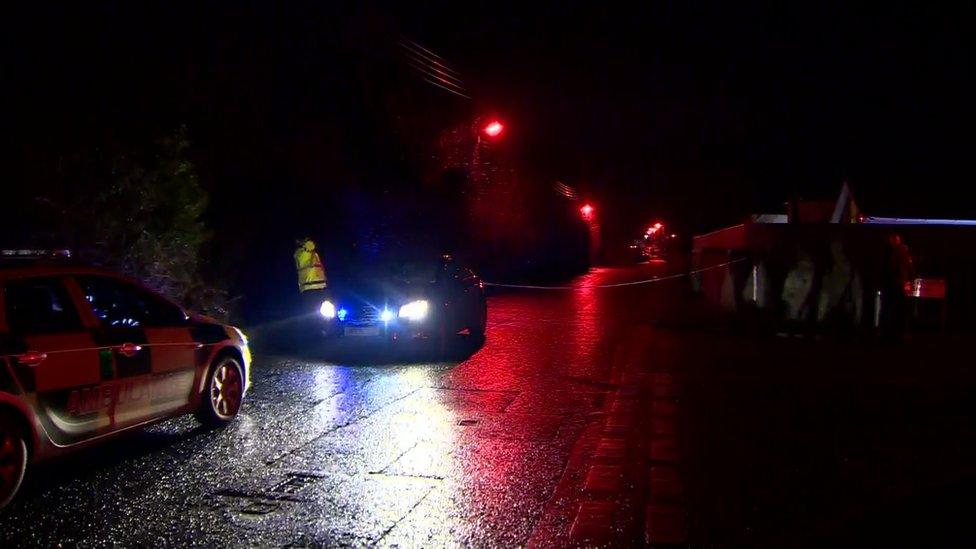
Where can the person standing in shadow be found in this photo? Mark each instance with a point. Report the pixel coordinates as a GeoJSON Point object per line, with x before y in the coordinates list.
{"type": "Point", "coordinates": [896, 276]}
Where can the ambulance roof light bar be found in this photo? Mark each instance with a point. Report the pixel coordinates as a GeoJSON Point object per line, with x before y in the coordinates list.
{"type": "Point", "coordinates": [35, 254]}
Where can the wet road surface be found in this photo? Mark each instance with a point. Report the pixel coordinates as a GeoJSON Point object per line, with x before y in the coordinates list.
{"type": "Point", "coordinates": [589, 416]}
{"type": "Point", "coordinates": [345, 453]}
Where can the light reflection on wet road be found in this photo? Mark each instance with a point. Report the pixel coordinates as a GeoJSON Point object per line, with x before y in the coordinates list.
{"type": "Point", "coordinates": [427, 453]}
{"type": "Point", "coordinates": [591, 414]}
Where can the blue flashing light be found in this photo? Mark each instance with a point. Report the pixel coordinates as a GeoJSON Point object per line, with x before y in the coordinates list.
{"type": "Point", "coordinates": [341, 313]}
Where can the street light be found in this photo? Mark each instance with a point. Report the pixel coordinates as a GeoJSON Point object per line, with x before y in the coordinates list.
{"type": "Point", "coordinates": [586, 210]}
{"type": "Point", "coordinates": [493, 128]}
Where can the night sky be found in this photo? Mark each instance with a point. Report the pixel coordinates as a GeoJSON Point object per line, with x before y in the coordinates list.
{"type": "Point", "coordinates": [715, 112]}
{"type": "Point", "coordinates": [697, 114]}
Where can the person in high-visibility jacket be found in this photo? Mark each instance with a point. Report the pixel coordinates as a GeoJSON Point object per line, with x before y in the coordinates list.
{"type": "Point", "coordinates": [311, 273]}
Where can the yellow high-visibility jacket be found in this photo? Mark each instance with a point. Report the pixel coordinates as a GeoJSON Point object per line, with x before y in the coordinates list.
{"type": "Point", "coordinates": [311, 273]}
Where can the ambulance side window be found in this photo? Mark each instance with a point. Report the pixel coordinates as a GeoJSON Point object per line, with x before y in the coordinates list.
{"type": "Point", "coordinates": [40, 306]}
{"type": "Point", "coordinates": [119, 304]}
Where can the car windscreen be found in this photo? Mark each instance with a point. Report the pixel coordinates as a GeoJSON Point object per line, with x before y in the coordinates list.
{"type": "Point", "coordinates": [403, 270]}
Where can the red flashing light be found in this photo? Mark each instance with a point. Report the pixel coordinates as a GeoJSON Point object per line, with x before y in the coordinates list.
{"type": "Point", "coordinates": [32, 358]}
{"type": "Point", "coordinates": [129, 350]}
{"type": "Point", "coordinates": [653, 229]}
{"type": "Point", "coordinates": [494, 128]}
{"type": "Point", "coordinates": [587, 211]}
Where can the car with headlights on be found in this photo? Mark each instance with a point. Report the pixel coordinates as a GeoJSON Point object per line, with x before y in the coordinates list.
{"type": "Point", "coordinates": [86, 354]}
{"type": "Point", "coordinates": [406, 300]}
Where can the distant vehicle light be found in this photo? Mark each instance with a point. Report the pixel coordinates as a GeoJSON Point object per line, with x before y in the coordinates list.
{"type": "Point", "coordinates": [386, 315]}
{"type": "Point", "coordinates": [327, 310]}
{"type": "Point", "coordinates": [341, 314]}
{"type": "Point", "coordinates": [415, 310]}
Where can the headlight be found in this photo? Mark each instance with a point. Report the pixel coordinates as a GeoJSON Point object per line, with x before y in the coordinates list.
{"type": "Point", "coordinates": [415, 310]}
{"type": "Point", "coordinates": [327, 309]}
{"type": "Point", "coordinates": [386, 315]}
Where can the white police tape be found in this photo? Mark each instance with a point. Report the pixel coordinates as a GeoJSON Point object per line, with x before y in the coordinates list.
{"type": "Point", "coordinates": [618, 284]}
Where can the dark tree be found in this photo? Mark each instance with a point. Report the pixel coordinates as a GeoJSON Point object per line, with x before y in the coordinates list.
{"type": "Point", "coordinates": [140, 212]}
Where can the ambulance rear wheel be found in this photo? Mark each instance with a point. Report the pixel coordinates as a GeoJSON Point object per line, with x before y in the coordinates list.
{"type": "Point", "coordinates": [13, 458]}
{"type": "Point", "coordinates": [223, 394]}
